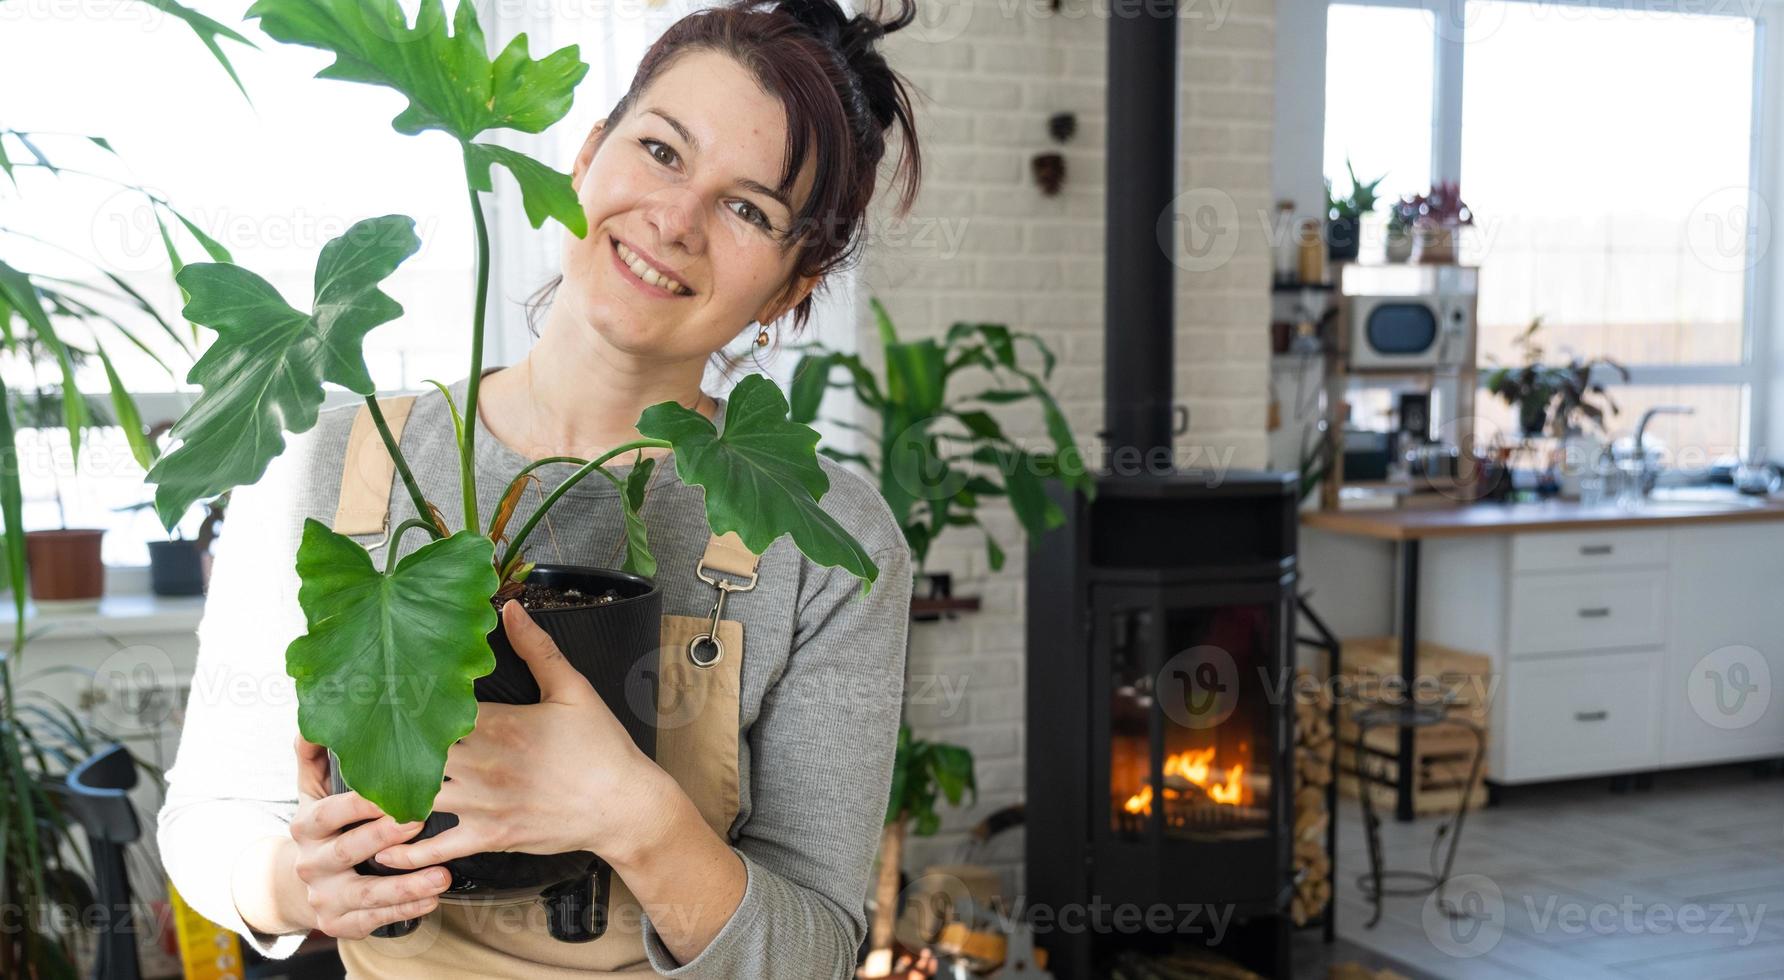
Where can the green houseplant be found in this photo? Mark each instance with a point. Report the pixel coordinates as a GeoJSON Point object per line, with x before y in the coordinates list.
{"type": "Point", "coordinates": [922, 773]}
{"type": "Point", "coordinates": [62, 320]}
{"type": "Point", "coordinates": [432, 612]}
{"type": "Point", "coordinates": [1559, 399]}
{"type": "Point", "coordinates": [1344, 215]}
{"type": "Point", "coordinates": [938, 456]}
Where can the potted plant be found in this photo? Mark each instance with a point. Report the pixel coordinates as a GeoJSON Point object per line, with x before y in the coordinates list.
{"type": "Point", "coordinates": [761, 474]}
{"type": "Point", "coordinates": [922, 773]}
{"type": "Point", "coordinates": [1561, 400]}
{"type": "Point", "coordinates": [1441, 215]}
{"type": "Point", "coordinates": [938, 457]}
{"type": "Point", "coordinates": [181, 566]}
{"type": "Point", "coordinates": [1403, 216]}
{"type": "Point", "coordinates": [1344, 215]}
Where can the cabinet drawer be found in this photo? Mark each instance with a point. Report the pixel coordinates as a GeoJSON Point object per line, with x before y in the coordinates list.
{"type": "Point", "coordinates": [1557, 612]}
{"type": "Point", "coordinates": [1575, 716]}
{"type": "Point", "coordinates": [1578, 551]}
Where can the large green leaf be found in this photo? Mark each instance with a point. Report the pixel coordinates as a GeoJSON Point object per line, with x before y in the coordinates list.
{"type": "Point", "coordinates": [384, 674]}
{"type": "Point", "coordinates": [762, 476]}
{"type": "Point", "coordinates": [449, 79]}
{"type": "Point", "coordinates": [544, 192]}
{"type": "Point", "coordinates": [263, 374]}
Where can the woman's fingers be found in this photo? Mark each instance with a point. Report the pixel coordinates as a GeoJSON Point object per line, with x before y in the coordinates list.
{"type": "Point", "coordinates": [359, 923]}
{"type": "Point", "coordinates": [312, 770]}
{"type": "Point", "coordinates": [328, 815]}
{"type": "Point", "coordinates": [353, 846]}
{"type": "Point", "coordinates": [449, 845]}
{"type": "Point", "coordinates": [376, 892]}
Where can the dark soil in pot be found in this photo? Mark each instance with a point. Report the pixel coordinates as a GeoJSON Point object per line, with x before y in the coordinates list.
{"type": "Point", "coordinates": [605, 622]}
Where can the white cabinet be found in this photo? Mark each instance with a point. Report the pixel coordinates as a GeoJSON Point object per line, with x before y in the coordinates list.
{"type": "Point", "coordinates": [1618, 650]}
{"type": "Point", "coordinates": [1726, 655]}
{"type": "Point", "coordinates": [1583, 714]}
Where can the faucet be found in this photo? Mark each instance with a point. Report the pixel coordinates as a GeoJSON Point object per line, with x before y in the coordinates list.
{"type": "Point", "coordinates": [1646, 476]}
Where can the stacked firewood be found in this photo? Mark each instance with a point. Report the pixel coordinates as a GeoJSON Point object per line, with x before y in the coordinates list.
{"type": "Point", "coordinates": [1315, 741]}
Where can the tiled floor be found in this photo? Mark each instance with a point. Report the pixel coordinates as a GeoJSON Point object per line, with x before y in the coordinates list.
{"type": "Point", "coordinates": [1572, 882]}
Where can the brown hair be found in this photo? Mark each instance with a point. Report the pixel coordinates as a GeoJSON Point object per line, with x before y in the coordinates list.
{"type": "Point", "coordinates": [840, 98]}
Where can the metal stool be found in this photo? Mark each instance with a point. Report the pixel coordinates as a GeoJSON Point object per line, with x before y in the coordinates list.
{"type": "Point", "coordinates": [1374, 882]}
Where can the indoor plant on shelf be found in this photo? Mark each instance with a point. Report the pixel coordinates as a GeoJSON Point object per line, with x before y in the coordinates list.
{"type": "Point", "coordinates": [1439, 217]}
{"type": "Point", "coordinates": [936, 457]}
{"type": "Point", "coordinates": [431, 613]}
{"type": "Point", "coordinates": [1344, 215]}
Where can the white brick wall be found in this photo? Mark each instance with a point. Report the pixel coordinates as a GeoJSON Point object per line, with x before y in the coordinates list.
{"type": "Point", "coordinates": [1035, 263]}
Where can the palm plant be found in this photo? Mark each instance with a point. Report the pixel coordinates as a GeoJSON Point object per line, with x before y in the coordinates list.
{"type": "Point", "coordinates": [61, 322]}
{"type": "Point", "coordinates": [938, 457]}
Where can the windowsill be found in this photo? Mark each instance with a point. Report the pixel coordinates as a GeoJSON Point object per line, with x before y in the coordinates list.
{"type": "Point", "coordinates": [117, 616]}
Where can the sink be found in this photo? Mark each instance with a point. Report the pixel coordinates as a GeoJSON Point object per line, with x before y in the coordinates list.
{"type": "Point", "coordinates": [1700, 499]}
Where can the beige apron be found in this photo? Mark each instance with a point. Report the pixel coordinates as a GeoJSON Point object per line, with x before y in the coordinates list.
{"type": "Point", "coordinates": [696, 744]}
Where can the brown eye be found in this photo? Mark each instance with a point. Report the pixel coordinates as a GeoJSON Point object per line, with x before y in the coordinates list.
{"type": "Point", "coordinates": [659, 151]}
{"type": "Point", "coordinates": [752, 214]}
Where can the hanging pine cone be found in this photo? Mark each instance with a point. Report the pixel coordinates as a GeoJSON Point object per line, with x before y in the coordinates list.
{"type": "Point", "coordinates": [1049, 172]}
{"type": "Point", "coordinates": [1063, 126]}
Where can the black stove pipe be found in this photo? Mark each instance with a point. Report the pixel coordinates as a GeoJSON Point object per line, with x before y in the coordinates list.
{"type": "Point", "coordinates": [1138, 273]}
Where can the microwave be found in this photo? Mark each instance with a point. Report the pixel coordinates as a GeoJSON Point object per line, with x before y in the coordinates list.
{"type": "Point", "coordinates": [1433, 331]}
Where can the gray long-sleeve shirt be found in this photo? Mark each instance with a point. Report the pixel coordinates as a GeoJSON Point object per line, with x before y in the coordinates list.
{"type": "Point", "coordinates": [821, 687]}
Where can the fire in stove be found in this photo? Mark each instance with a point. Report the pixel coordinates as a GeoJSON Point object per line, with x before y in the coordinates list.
{"type": "Point", "coordinates": [1192, 775]}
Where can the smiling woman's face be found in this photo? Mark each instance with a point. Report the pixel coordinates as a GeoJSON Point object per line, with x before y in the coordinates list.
{"type": "Point", "coordinates": [681, 189]}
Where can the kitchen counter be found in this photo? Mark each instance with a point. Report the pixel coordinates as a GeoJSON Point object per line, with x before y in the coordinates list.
{"type": "Point", "coordinates": [1555, 515]}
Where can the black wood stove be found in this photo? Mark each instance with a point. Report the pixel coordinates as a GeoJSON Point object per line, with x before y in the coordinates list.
{"type": "Point", "coordinates": [1161, 624]}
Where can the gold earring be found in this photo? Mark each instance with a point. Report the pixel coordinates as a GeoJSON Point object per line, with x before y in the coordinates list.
{"type": "Point", "coordinates": [762, 337]}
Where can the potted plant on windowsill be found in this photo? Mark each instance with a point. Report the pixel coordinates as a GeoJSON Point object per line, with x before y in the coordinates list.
{"type": "Point", "coordinates": [938, 458]}
{"type": "Point", "coordinates": [432, 612]}
{"type": "Point", "coordinates": [1344, 216]}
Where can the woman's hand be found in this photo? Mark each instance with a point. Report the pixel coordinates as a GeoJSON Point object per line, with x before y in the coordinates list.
{"type": "Point", "coordinates": [560, 775]}
{"type": "Point", "coordinates": [344, 903]}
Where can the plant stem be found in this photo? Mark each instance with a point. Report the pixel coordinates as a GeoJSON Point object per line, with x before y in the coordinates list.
{"type": "Point", "coordinates": [467, 460]}
{"type": "Point", "coordinates": [396, 538]}
{"type": "Point", "coordinates": [422, 507]}
{"type": "Point", "coordinates": [551, 498]}
{"type": "Point", "coordinates": [522, 475]}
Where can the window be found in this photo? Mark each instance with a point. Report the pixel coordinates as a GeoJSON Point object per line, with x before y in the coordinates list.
{"type": "Point", "coordinates": [272, 181]}
{"type": "Point", "coordinates": [1607, 154]}
{"type": "Point", "coordinates": [1380, 84]}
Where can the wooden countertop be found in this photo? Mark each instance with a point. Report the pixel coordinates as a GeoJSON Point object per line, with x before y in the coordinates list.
{"type": "Point", "coordinates": [1487, 518]}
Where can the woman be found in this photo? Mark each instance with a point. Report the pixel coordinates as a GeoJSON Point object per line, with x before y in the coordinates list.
{"type": "Point", "coordinates": [731, 178]}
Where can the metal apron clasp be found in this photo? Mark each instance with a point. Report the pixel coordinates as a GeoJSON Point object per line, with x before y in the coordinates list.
{"type": "Point", "coordinates": [710, 638]}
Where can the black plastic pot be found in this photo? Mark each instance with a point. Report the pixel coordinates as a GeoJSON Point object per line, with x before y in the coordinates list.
{"type": "Point", "coordinates": [1344, 239]}
{"type": "Point", "coordinates": [176, 567]}
{"type": "Point", "coordinates": [605, 643]}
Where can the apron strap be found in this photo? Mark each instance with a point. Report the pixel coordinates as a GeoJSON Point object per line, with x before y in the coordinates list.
{"type": "Point", "coordinates": [367, 471]}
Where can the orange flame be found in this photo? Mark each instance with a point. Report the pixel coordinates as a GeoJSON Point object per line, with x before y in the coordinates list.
{"type": "Point", "coordinates": [1196, 767]}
